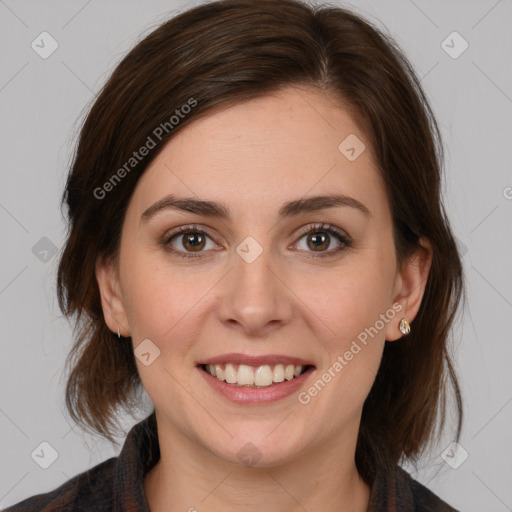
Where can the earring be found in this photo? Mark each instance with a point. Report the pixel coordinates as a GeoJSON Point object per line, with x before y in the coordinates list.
{"type": "Point", "coordinates": [405, 328]}
{"type": "Point", "coordinates": [118, 333]}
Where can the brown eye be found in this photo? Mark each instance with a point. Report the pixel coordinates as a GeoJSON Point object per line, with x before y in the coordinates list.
{"type": "Point", "coordinates": [188, 242]}
{"type": "Point", "coordinates": [193, 241]}
{"type": "Point", "coordinates": [318, 240]}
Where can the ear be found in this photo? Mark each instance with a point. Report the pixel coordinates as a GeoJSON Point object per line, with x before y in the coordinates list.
{"type": "Point", "coordinates": [107, 275]}
{"type": "Point", "coordinates": [410, 287]}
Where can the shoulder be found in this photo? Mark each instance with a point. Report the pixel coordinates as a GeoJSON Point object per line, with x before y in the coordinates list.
{"type": "Point", "coordinates": [423, 498]}
{"type": "Point", "coordinates": [90, 490]}
{"type": "Point", "coordinates": [115, 484]}
{"type": "Point", "coordinates": [394, 489]}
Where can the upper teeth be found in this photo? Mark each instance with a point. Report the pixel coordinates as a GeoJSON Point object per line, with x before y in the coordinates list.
{"type": "Point", "coordinates": [263, 375]}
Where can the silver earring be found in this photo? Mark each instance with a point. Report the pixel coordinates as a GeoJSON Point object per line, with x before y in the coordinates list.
{"type": "Point", "coordinates": [405, 328]}
{"type": "Point", "coordinates": [118, 333]}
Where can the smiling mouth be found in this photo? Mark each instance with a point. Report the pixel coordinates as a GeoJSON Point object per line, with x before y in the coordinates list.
{"type": "Point", "coordinates": [262, 376]}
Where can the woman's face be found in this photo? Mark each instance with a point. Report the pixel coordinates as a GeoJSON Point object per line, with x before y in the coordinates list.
{"type": "Point", "coordinates": [265, 280]}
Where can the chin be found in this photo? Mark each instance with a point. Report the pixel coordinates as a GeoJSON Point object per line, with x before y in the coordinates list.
{"type": "Point", "coordinates": [261, 451]}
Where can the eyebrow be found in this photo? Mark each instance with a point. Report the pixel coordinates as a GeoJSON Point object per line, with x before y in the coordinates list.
{"type": "Point", "coordinates": [221, 211]}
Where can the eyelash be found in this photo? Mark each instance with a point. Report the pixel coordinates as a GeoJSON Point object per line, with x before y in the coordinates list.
{"type": "Point", "coordinates": [326, 228]}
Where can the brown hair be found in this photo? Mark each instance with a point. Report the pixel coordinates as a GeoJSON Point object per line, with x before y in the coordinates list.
{"type": "Point", "coordinates": [219, 54]}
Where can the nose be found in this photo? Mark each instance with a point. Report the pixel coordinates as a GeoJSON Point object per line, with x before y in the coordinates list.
{"type": "Point", "coordinates": [254, 297]}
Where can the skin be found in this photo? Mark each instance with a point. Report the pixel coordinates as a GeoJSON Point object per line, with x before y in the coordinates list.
{"type": "Point", "coordinates": [254, 157]}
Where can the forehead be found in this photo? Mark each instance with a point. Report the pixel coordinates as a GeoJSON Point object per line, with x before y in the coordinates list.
{"type": "Point", "coordinates": [264, 152]}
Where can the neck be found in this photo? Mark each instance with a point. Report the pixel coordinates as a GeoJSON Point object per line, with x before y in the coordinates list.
{"type": "Point", "coordinates": [190, 478]}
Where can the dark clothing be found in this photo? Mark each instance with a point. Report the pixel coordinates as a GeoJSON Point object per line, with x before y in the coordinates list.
{"type": "Point", "coordinates": [117, 484]}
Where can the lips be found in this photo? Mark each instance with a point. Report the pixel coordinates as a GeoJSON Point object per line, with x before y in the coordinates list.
{"type": "Point", "coordinates": [254, 394]}
{"type": "Point", "coordinates": [245, 359]}
{"type": "Point", "coordinates": [254, 372]}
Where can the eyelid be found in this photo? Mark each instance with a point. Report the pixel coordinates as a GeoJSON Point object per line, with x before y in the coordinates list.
{"type": "Point", "coordinates": [302, 231]}
{"type": "Point", "coordinates": [322, 226]}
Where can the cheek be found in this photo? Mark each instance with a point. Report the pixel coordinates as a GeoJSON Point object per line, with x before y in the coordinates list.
{"type": "Point", "coordinates": [347, 300]}
{"type": "Point", "coordinates": [351, 305]}
{"type": "Point", "coordinates": [163, 300]}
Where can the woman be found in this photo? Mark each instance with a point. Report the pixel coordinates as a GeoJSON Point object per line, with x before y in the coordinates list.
{"type": "Point", "coordinates": [256, 240]}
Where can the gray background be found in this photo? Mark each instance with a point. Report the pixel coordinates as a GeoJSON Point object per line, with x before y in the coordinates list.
{"type": "Point", "coordinates": [41, 103]}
